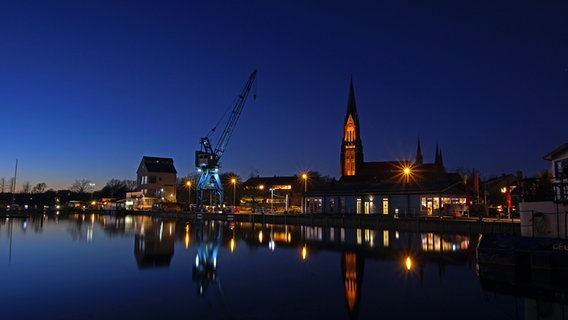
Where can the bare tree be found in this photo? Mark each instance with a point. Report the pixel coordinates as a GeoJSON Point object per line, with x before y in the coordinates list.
{"type": "Point", "coordinates": [3, 185]}
{"type": "Point", "coordinates": [81, 186]}
{"type": "Point", "coordinates": [130, 185]}
{"type": "Point", "coordinates": [39, 188]}
{"type": "Point", "coordinates": [26, 187]}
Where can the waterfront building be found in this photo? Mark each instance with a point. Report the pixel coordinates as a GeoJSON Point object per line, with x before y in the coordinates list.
{"type": "Point", "coordinates": [156, 177]}
{"type": "Point", "coordinates": [405, 187]}
{"type": "Point", "coordinates": [279, 193]}
{"type": "Point", "coordinates": [559, 160]}
{"type": "Point", "coordinates": [549, 218]}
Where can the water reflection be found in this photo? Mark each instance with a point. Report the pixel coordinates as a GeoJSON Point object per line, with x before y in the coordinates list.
{"type": "Point", "coordinates": [534, 276]}
{"type": "Point", "coordinates": [323, 271]}
{"type": "Point", "coordinates": [208, 237]}
{"type": "Point", "coordinates": [153, 242]}
{"type": "Point", "coordinates": [352, 267]}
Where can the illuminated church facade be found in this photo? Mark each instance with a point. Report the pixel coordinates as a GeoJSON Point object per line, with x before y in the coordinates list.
{"type": "Point", "coordinates": [400, 187]}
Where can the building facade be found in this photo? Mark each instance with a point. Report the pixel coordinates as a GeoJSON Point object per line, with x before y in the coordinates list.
{"type": "Point", "coordinates": [277, 194]}
{"type": "Point", "coordinates": [156, 177]}
{"type": "Point", "coordinates": [559, 160]}
{"type": "Point", "coordinates": [400, 187]}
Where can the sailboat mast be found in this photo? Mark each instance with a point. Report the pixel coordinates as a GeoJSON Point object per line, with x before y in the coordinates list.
{"type": "Point", "coordinates": [14, 183]}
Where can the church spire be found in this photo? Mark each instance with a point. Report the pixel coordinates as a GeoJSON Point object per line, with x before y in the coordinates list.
{"type": "Point", "coordinates": [419, 159]}
{"type": "Point", "coordinates": [351, 105]}
{"type": "Point", "coordinates": [351, 146]}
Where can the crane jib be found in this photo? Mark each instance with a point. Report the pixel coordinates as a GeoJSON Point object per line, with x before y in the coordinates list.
{"type": "Point", "coordinates": [207, 159]}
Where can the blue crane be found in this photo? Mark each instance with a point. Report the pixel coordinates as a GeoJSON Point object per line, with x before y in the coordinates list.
{"type": "Point", "coordinates": [207, 159]}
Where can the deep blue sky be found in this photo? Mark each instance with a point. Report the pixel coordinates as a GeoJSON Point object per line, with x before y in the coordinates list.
{"type": "Point", "coordinates": [89, 87]}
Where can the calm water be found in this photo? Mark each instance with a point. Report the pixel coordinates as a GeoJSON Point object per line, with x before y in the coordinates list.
{"type": "Point", "coordinates": [89, 266]}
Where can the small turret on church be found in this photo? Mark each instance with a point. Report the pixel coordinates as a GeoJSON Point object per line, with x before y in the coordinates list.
{"type": "Point", "coordinates": [419, 159]}
{"type": "Point", "coordinates": [351, 146]}
{"type": "Point", "coordinates": [438, 160]}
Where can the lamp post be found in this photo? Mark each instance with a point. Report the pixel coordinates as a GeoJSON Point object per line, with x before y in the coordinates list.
{"type": "Point", "coordinates": [271, 200]}
{"type": "Point", "coordinates": [305, 177]}
{"type": "Point", "coordinates": [234, 182]}
{"type": "Point", "coordinates": [406, 171]}
{"type": "Point", "coordinates": [188, 183]}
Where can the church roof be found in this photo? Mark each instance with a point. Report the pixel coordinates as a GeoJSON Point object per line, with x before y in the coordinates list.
{"type": "Point", "coordinates": [390, 174]}
{"type": "Point", "coordinates": [450, 184]}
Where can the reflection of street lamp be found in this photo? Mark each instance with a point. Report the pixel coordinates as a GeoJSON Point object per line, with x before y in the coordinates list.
{"type": "Point", "coordinates": [304, 253]}
{"type": "Point", "coordinates": [188, 184]}
{"type": "Point", "coordinates": [234, 182]}
{"type": "Point", "coordinates": [408, 263]}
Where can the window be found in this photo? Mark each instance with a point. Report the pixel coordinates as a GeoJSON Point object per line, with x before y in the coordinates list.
{"type": "Point", "coordinates": [559, 169]}
{"type": "Point", "coordinates": [152, 179]}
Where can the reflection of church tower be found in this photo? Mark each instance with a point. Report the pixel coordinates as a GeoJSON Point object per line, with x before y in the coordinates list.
{"type": "Point", "coordinates": [351, 146]}
{"type": "Point", "coordinates": [352, 266]}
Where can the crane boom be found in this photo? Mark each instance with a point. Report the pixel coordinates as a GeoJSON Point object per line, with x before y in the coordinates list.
{"type": "Point", "coordinates": [224, 139]}
{"type": "Point", "coordinates": [207, 159]}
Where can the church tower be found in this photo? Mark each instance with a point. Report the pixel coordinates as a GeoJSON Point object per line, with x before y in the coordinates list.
{"type": "Point", "coordinates": [351, 146]}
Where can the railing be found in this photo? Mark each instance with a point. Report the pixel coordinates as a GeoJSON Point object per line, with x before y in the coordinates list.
{"type": "Point", "coordinates": [544, 224]}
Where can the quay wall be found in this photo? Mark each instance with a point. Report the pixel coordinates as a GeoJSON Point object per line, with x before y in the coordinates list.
{"type": "Point", "coordinates": [447, 225]}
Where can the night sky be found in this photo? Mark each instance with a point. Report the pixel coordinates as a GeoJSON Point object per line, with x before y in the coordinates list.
{"type": "Point", "coordinates": [89, 87]}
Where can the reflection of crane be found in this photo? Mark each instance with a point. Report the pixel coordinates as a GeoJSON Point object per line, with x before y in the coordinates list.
{"type": "Point", "coordinates": [208, 238]}
{"type": "Point", "coordinates": [207, 159]}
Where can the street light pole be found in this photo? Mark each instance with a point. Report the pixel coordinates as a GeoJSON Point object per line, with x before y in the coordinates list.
{"type": "Point", "coordinates": [188, 183]}
{"type": "Point", "coordinates": [305, 177]}
{"type": "Point", "coordinates": [234, 182]}
{"type": "Point", "coordinates": [271, 200]}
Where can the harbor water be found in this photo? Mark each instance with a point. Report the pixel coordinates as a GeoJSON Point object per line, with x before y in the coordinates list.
{"type": "Point", "coordinates": [93, 266]}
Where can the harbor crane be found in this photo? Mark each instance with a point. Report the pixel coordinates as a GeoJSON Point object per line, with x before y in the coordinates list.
{"type": "Point", "coordinates": [207, 159]}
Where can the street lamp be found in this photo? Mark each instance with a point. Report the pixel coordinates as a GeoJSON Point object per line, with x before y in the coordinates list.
{"type": "Point", "coordinates": [234, 182]}
{"type": "Point", "coordinates": [407, 172]}
{"type": "Point", "coordinates": [188, 184]}
{"type": "Point", "coordinates": [305, 177]}
{"type": "Point", "coordinates": [271, 200]}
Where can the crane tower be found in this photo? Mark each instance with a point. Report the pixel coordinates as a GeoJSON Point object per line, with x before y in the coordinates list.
{"type": "Point", "coordinates": [207, 159]}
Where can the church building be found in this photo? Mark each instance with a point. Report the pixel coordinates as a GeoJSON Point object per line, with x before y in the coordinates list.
{"type": "Point", "coordinates": [400, 187]}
